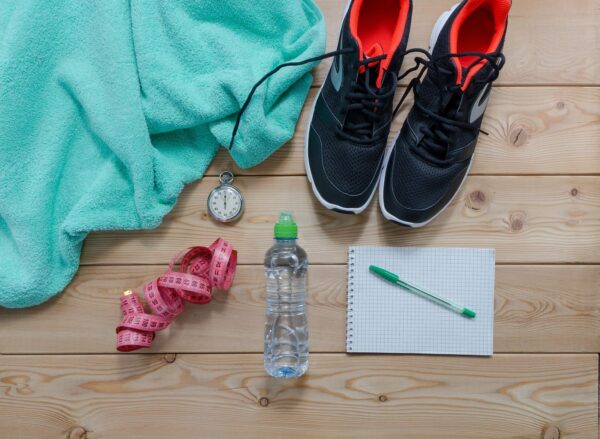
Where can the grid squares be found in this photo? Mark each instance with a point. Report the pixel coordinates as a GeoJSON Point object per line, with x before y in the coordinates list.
{"type": "Point", "coordinates": [385, 318]}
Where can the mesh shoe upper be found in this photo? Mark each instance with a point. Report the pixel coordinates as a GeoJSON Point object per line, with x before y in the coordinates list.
{"type": "Point", "coordinates": [418, 184]}
{"type": "Point", "coordinates": [350, 124]}
{"type": "Point", "coordinates": [350, 167]}
{"type": "Point", "coordinates": [435, 148]}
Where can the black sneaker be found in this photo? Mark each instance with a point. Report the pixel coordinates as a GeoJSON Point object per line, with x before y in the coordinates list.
{"type": "Point", "coordinates": [431, 156]}
{"type": "Point", "coordinates": [350, 121]}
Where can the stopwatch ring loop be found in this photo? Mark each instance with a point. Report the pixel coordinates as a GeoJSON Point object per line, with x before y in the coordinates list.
{"type": "Point", "coordinates": [226, 177]}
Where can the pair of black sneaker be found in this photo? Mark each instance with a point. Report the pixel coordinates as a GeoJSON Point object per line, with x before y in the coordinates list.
{"type": "Point", "coordinates": [421, 171]}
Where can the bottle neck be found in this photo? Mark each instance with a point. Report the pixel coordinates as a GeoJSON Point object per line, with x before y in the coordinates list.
{"type": "Point", "coordinates": [286, 241]}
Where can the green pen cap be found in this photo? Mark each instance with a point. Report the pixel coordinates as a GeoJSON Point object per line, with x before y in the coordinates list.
{"type": "Point", "coordinates": [286, 227]}
{"type": "Point", "coordinates": [468, 313]}
{"type": "Point", "coordinates": [384, 273]}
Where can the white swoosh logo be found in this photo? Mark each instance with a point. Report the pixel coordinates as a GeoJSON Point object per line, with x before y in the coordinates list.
{"type": "Point", "coordinates": [480, 105]}
{"type": "Point", "coordinates": [336, 71]}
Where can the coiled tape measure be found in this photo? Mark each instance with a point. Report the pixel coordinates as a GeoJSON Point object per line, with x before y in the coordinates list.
{"type": "Point", "coordinates": [201, 270]}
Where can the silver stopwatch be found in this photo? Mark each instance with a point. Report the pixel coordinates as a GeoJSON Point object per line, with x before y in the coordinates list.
{"type": "Point", "coordinates": [225, 202]}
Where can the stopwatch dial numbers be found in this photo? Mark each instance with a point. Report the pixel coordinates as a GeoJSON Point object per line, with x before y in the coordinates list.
{"type": "Point", "coordinates": [225, 203]}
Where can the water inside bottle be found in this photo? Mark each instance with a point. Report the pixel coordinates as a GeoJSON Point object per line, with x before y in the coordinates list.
{"type": "Point", "coordinates": [286, 325]}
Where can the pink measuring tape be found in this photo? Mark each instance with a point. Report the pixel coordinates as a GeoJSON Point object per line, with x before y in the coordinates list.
{"type": "Point", "coordinates": [201, 270]}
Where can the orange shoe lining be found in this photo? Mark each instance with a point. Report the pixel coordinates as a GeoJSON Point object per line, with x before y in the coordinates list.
{"type": "Point", "coordinates": [478, 27]}
{"type": "Point", "coordinates": [379, 22]}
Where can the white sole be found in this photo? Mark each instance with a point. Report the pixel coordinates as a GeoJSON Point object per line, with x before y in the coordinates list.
{"type": "Point", "coordinates": [326, 204]}
{"type": "Point", "coordinates": [437, 28]}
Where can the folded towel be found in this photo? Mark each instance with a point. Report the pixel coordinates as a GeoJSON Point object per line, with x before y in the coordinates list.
{"type": "Point", "coordinates": [107, 108]}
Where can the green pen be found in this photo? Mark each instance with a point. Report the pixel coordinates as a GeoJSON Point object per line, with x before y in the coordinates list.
{"type": "Point", "coordinates": [420, 292]}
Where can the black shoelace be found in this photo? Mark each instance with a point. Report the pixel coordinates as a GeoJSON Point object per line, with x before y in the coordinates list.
{"type": "Point", "coordinates": [271, 73]}
{"type": "Point", "coordinates": [363, 98]}
{"type": "Point", "coordinates": [367, 100]}
{"type": "Point", "coordinates": [364, 104]}
{"type": "Point", "coordinates": [447, 119]}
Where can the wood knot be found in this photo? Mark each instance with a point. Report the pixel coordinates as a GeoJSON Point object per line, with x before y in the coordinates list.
{"type": "Point", "coordinates": [18, 384]}
{"type": "Point", "coordinates": [263, 401]}
{"type": "Point", "coordinates": [476, 200]}
{"type": "Point", "coordinates": [518, 136]}
{"type": "Point", "coordinates": [170, 358]}
{"type": "Point", "coordinates": [383, 398]}
{"type": "Point", "coordinates": [574, 192]}
{"type": "Point", "coordinates": [552, 432]}
{"type": "Point", "coordinates": [516, 221]}
{"type": "Point", "coordinates": [560, 105]}
{"type": "Point", "coordinates": [77, 433]}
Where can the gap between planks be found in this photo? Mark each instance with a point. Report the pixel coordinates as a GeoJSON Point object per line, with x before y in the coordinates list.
{"type": "Point", "coordinates": [519, 85]}
{"type": "Point", "coordinates": [559, 39]}
{"type": "Point", "coordinates": [528, 128]}
{"type": "Point", "coordinates": [527, 219]}
{"type": "Point", "coordinates": [425, 397]}
{"type": "Point", "coordinates": [339, 264]}
{"type": "Point", "coordinates": [537, 309]}
{"type": "Point", "coordinates": [249, 353]}
{"type": "Point", "coordinates": [212, 173]}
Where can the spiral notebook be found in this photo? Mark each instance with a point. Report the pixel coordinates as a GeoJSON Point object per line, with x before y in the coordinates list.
{"type": "Point", "coordinates": [384, 318]}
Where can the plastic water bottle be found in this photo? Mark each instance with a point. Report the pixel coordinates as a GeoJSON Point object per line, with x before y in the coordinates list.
{"type": "Point", "coordinates": [286, 326]}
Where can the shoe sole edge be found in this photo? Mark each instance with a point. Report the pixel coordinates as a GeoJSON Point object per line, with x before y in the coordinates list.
{"type": "Point", "coordinates": [324, 203]}
{"type": "Point", "coordinates": [437, 28]}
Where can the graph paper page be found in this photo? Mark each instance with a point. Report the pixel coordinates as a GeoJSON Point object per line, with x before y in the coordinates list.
{"type": "Point", "coordinates": [385, 318]}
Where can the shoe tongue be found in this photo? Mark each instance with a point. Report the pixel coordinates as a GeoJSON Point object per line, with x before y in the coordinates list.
{"type": "Point", "coordinates": [460, 73]}
{"type": "Point", "coordinates": [441, 50]}
{"type": "Point", "coordinates": [374, 73]}
{"type": "Point", "coordinates": [375, 70]}
{"type": "Point", "coordinates": [374, 50]}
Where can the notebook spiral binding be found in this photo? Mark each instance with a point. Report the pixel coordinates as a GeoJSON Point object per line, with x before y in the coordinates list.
{"type": "Point", "coordinates": [350, 308]}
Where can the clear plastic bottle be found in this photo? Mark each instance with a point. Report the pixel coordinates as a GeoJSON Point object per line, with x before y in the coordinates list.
{"type": "Point", "coordinates": [286, 325]}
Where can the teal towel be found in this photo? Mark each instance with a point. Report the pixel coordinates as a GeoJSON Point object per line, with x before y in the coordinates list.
{"type": "Point", "coordinates": [107, 108]}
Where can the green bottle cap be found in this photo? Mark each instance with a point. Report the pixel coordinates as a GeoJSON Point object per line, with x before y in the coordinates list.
{"type": "Point", "coordinates": [285, 227]}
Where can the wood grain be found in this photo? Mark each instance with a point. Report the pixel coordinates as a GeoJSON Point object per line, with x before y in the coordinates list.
{"type": "Point", "coordinates": [538, 309]}
{"type": "Point", "coordinates": [229, 396]}
{"type": "Point", "coordinates": [544, 125]}
{"type": "Point", "coordinates": [548, 42]}
{"type": "Point", "coordinates": [532, 130]}
{"type": "Point", "coordinates": [527, 220]}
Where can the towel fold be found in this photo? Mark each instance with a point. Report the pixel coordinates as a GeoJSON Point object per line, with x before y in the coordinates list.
{"type": "Point", "coordinates": [107, 108]}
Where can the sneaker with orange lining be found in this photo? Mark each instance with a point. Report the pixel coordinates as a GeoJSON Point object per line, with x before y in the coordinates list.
{"type": "Point", "coordinates": [431, 157]}
{"type": "Point", "coordinates": [350, 122]}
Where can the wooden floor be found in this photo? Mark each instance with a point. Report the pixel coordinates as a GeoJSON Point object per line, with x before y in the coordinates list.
{"type": "Point", "coordinates": [534, 195]}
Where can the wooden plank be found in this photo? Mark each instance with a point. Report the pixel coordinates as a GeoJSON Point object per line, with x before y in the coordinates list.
{"type": "Point", "coordinates": [229, 396]}
{"type": "Point", "coordinates": [538, 309]}
{"type": "Point", "coordinates": [532, 130]}
{"type": "Point", "coordinates": [548, 41]}
{"type": "Point", "coordinates": [526, 219]}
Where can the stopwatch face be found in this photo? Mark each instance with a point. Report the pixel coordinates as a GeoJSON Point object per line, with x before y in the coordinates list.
{"type": "Point", "coordinates": [225, 203]}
